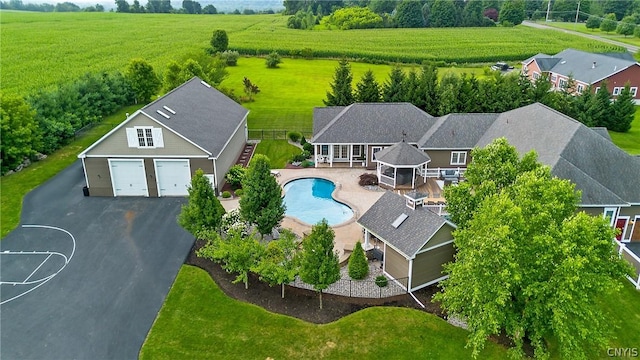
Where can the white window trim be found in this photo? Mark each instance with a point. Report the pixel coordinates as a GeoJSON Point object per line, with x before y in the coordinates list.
{"type": "Point", "coordinates": [357, 150]}
{"type": "Point", "coordinates": [616, 91]}
{"type": "Point", "coordinates": [322, 148]}
{"type": "Point", "coordinates": [634, 91]}
{"type": "Point", "coordinates": [554, 78]}
{"type": "Point", "coordinates": [373, 151]}
{"type": "Point", "coordinates": [580, 88]}
{"type": "Point", "coordinates": [156, 135]}
{"type": "Point", "coordinates": [536, 75]}
{"type": "Point", "coordinates": [614, 213]}
{"type": "Point", "coordinates": [597, 89]}
{"type": "Point", "coordinates": [460, 158]}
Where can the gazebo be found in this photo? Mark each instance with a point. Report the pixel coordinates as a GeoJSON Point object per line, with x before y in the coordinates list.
{"type": "Point", "coordinates": [399, 164]}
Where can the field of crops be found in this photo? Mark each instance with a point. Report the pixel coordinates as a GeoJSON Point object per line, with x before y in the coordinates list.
{"type": "Point", "coordinates": [40, 49]}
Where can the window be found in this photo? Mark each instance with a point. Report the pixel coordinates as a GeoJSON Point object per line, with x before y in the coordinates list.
{"type": "Point", "coordinates": [563, 84]}
{"type": "Point", "coordinates": [616, 91]}
{"type": "Point", "coordinates": [458, 157]}
{"type": "Point", "coordinates": [597, 89]}
{"type": "Point", "coordinates": [634, 91]}
{"type": "Point", "coordinates": [356, 150]}
{"type": "Point", "coordinates": [145, 137]}
{"type": "Point", "coordinates": [610, 215]}
{"type": "Point", "coordinates": [374, 150]}
{"type": "Point", "coordinates": [536, 76]}
{"type": "Point", "coordinates": [554, 78]}
{"type": "Point", "coordinates": [580, 88]}
{"type": "Point", "coordinates": [324, 150]}
{"type": "Point", "coordinates": [340, 151]}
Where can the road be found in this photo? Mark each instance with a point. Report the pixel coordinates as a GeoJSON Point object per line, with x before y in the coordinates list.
{"type": "Point", "coordinates": [631, 48]}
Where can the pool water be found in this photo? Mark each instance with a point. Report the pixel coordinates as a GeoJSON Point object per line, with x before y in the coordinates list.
{"type": "Point", "coordinates": [309, 200]}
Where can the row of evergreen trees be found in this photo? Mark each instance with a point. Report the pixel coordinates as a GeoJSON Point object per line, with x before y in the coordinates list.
{"type": "Point", "coordinates": [494, 94]}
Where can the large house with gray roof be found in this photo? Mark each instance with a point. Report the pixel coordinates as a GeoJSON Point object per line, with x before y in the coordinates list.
{"type": "Point", "coordinates": [156, 150]}
{"type": "Point", "coordinates": [587, 69]}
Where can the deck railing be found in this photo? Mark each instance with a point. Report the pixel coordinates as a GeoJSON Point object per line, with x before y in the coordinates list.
{"type": "Point", "coordinates": [437, 172]}
{"type": "Point", "coordinates": [633, 259]}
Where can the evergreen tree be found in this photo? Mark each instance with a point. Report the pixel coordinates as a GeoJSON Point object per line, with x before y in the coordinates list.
{"type": "Point", "coordinates": [358, 265]}
{"type": "Point", "coordinates": [319, 265]}
{"type": "Point", "coordinates": [469, 91]}
{"type": "Point", "coordinates": [203, 211]}
{"type": "Point", "coordinates": [412, 89]}
{"type": "Point", "coordinates": [444, 13]}
{"type": "Point", "coordinates": [394, 89]}
{"type": "Point", "coordinates": [142, 79]}
{"type": "Point", "coordinates": [367, 90]}
{"type": "Point", "coordinates": [472, 14]}
{"type": "Point", "coordinates": [512, 11]}
{"type": "Point", "coordinates": [587, 108]}
{"type": "Point", "coordinates": [603, 101]}
{"type": "Point", "coordinates": [623, 110]}
{"type": "Point", "coordinates": [449, 94]}
{"type": "Point", "coordinates": [429, 89]}
{"type": "Point", "coordinates": [409, 14]}
{"type": "Point", "coordinates": [219, 41]}
{"type": "Point", "coordinates": [261, 203]}
{"type": "Point", "coordinates": [341, 92]}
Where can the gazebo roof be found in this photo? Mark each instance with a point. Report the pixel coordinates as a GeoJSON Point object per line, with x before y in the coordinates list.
{"type": "Point", "coordinates": [402, 154]}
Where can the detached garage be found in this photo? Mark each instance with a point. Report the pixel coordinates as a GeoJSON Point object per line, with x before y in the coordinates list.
{"type": "Point", "coordinates": [416, 242]}
{"type": "Point", "coordinates": [156, 150]}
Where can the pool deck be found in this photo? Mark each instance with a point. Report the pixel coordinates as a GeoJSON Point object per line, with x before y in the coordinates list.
{"type": "Point", "coordinates": [347, 191]}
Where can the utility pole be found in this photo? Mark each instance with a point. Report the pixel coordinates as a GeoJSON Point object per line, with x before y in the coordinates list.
{"type": "Point", "coordinates": [577, 12]}
{"type": "Point", "coordinates": [548, 8]}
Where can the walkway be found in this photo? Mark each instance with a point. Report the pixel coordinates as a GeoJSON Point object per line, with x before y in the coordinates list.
{"type": "Point", "coordinates": [631, 48]}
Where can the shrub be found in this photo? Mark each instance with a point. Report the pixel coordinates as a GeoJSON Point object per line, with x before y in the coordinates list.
{"type": "Point", "coordinates": [219, 41]}
{"type": "Point", "coordinates": [226, 194]}
{"type": "Point", "coordinates": [308, 147]}
{"type": "Point", "coordinates": [368, 179]}
{"type": "Point", "coordinates": [358, 266]}
{"type": "Point", "coordinates": [230, 57]}
{"type": "Point", "coordinates": [303, 140]}
{"type": "Point", "coordinates": [307, 53]}
{"type": "Point", "coordinates": [381, 281]}
{"type": "Point", "coordinates": [239, 192]}
{"type": "Point", "coordinates": [235, 175]}
{"type": "Point", "coordinates": [306, 164]}
{"type": "Point", "coordinates": [273, 60]}
{"type": "Point", "coordinates": [299, 157]}
{"type": "Point", "coordinates": [294, 136]}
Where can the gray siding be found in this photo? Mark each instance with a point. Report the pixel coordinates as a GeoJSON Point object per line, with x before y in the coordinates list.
{"type": "Point", "coordinates": [427, 266]}
{"type": "Point", "coordinates": [442, 158]}
{"type": "Point", "coordinates": [396, 265]}
{"type": "Point", "coordinates": [230, 154]}
{"type": "Point", "coordinates": [441, 236]}
{"type": "Point", "coordinates": [116, 144]}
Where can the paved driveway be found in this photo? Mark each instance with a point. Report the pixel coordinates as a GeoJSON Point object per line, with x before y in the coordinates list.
{"type": "Point", "coordinates": [94, 292]}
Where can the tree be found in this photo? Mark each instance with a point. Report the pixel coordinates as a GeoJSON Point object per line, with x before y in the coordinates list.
{"type": "Point", "coordinates": [623, 110]}
{"type": "Point", "coordinates": [551, 263]}
{"type": "Point", "coordinates": [472, 14]}
{"type": "Point", "coordinates": [203, 211]}
{"type": "Point", "coordinates": [261, 203]}
{"type": "Point", "coordinates": [219, 41]}
{"type": "Point", "coordinates": [236, 175]}
{"type": "Point", "coordinates": [593, 22]}
{"type": "Point", "coordinates": [358, 265]}
{"type": "Point", "coordinates": [210, 10]}
{"type": "Point", "coordinates": [191, 7]}
{"type": "Point", "coordinates": [19, 133]}
{"type": "Point", "coordinates": [393, 89]}
{"type": "Point", "coordinates": [609, 23]}
{"type": "Point", "coordinates": [587, 108]}
{"type": "Point", "coordinates": [341, 92]}
{"type": "Point", "coordinates": [122, 6]}
{"type": "Point", "coordinates": [250, 88]}
{"type": "Point", "coordinates": [603, 101]}
{"type": "Point", "coordinates": [429, 88]}
{"type": "Point", "coordinates": [143, 80]}
{"type": "Point", "coordinates": [273, 60]}
{"type": "Point", "coordinates": [319, 264]}
{"type": "Point", "coordinates": [444, 14]}
{"type": "Point", "coordinates": [382, 6]}
{"type": "Point", "coordinates": [136, 7]}
{"type": "Point", "coordinates": [278, 265]}
{"type": "Point", "coordinates": [626, 26]}
{"type": "Point", "coordinates": [512, 11]}
{"type": "Point", "coordinates": [409, 14]}
{"type": "Point", "coordinates": [448, 94]}
{"type": "Point", "coordinates": [367, 90]}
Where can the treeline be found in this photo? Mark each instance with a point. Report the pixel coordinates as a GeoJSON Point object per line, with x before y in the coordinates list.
{"type": "Point", "coordinates": [59, 7]}
{"type": "Point", "coordinates": [188, 7]}
{"type": "Point", "coordinates": [468, 94]}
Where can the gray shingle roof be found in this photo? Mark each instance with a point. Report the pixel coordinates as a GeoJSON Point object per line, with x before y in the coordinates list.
{"type": "Point", "coordinates": [602, 131]}
{"type": "Point", "coordinates": [579, 64]}
{"type": "Point", "coordinates": [402, 154]}
{"type": "Point", "coordinates": [457, 131]}
{"type": "Point", "coordinates": [420, 225]}
{"type": "Point", "coordinates": [203, 114]}
{"type": "Point", "coordinates": [322, 116]}
{"type": "Point", "coordinates": [375, 123]}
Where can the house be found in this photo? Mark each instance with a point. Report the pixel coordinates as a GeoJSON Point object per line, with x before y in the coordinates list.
{"type": "Point", "coordinates": [608, 177]}
{"type": "Point", "coordinates": [587, 69]}
{"type": "Point", "coordinates": [416, 242]}
{"type": "Point", "coordinates": [156, 150]}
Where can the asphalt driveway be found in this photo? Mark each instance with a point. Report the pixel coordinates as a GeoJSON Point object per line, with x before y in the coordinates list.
{"type": "Point", "coordinates": [94, 292]}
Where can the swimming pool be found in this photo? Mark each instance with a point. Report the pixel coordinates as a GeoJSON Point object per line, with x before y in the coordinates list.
{"type": "Point", "coordinates": [309, 200]}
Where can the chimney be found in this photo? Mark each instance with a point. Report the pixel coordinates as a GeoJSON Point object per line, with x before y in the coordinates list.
{"type": "Point", "coordinates": [594, 65]}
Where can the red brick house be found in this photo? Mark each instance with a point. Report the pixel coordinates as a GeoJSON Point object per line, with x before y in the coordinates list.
{"type": "Point", "coordinates": [586, 69]}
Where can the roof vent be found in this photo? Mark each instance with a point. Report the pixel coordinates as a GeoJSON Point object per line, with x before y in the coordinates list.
{"type": "Point", "coordinates": [399, 220]}
{"type": "Point", "coordinates": [163, 114]}
{"type": "Point", "coordinates": [563, 62]}
{"type": "Point", "coordinates": [205, 84]}
{"type": "Point", "coordinates": [169, 109]}
{"type": "Point", "coordinates": [593, 66]}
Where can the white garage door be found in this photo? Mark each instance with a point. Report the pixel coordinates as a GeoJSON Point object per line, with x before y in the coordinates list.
{"type": "Point", "coordinates": [173, 177]}
{"type": "Point", "coordinates": [128, 177]}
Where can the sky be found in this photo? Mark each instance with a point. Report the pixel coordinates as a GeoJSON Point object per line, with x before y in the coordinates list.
{"type": "Point", "coordinates": [221, 5]}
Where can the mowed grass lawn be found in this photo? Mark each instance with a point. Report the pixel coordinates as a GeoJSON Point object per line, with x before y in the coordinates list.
{"type": "Point", "coordinates": [14, 187]}
{"type": "Point", "coordinates": [278, 152]}
{"type": "Point", "coordinates": [198, 321]}
{"type": "Point", "coordinates": [629, 141]}
{"type": "Point", "coordinates": [582, 28]}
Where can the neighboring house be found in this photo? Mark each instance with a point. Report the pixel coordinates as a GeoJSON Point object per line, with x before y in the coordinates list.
{"type": "Point", "coordinates": [587, 69]}
{"type": "Point", "coordinates": [608, 177]}
{"type": "Point", "coordinates": [156, 150]}
{"type": "Point", "coordinates": [415, 241]}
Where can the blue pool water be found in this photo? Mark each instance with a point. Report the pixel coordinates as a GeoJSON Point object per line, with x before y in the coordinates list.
{"type": "Point", "coordinates": [310, 201]}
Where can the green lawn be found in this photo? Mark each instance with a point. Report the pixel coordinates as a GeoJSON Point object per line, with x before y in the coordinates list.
{"type": "Point", "coordinates": [582, 28]}
{"type": "Point", "coordinates": [199, 321]}
{"type": "Point", "coordinates": [629, 141]}
{"type": "Point", "coordinates": [68, 45]}
{"type": "Point", "coordinates": [14, 187]}
{"type": "Point", "coordinates": [278, 152]}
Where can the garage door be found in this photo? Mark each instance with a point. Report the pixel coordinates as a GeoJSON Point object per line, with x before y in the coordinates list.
{"type": "Point", "coordinates": [173, 177]}
{"type": "Point", "coordinates": [128, 177]}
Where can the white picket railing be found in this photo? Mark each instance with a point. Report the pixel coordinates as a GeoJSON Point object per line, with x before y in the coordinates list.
{"type": "Point", "coordinates": [633, 259]}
